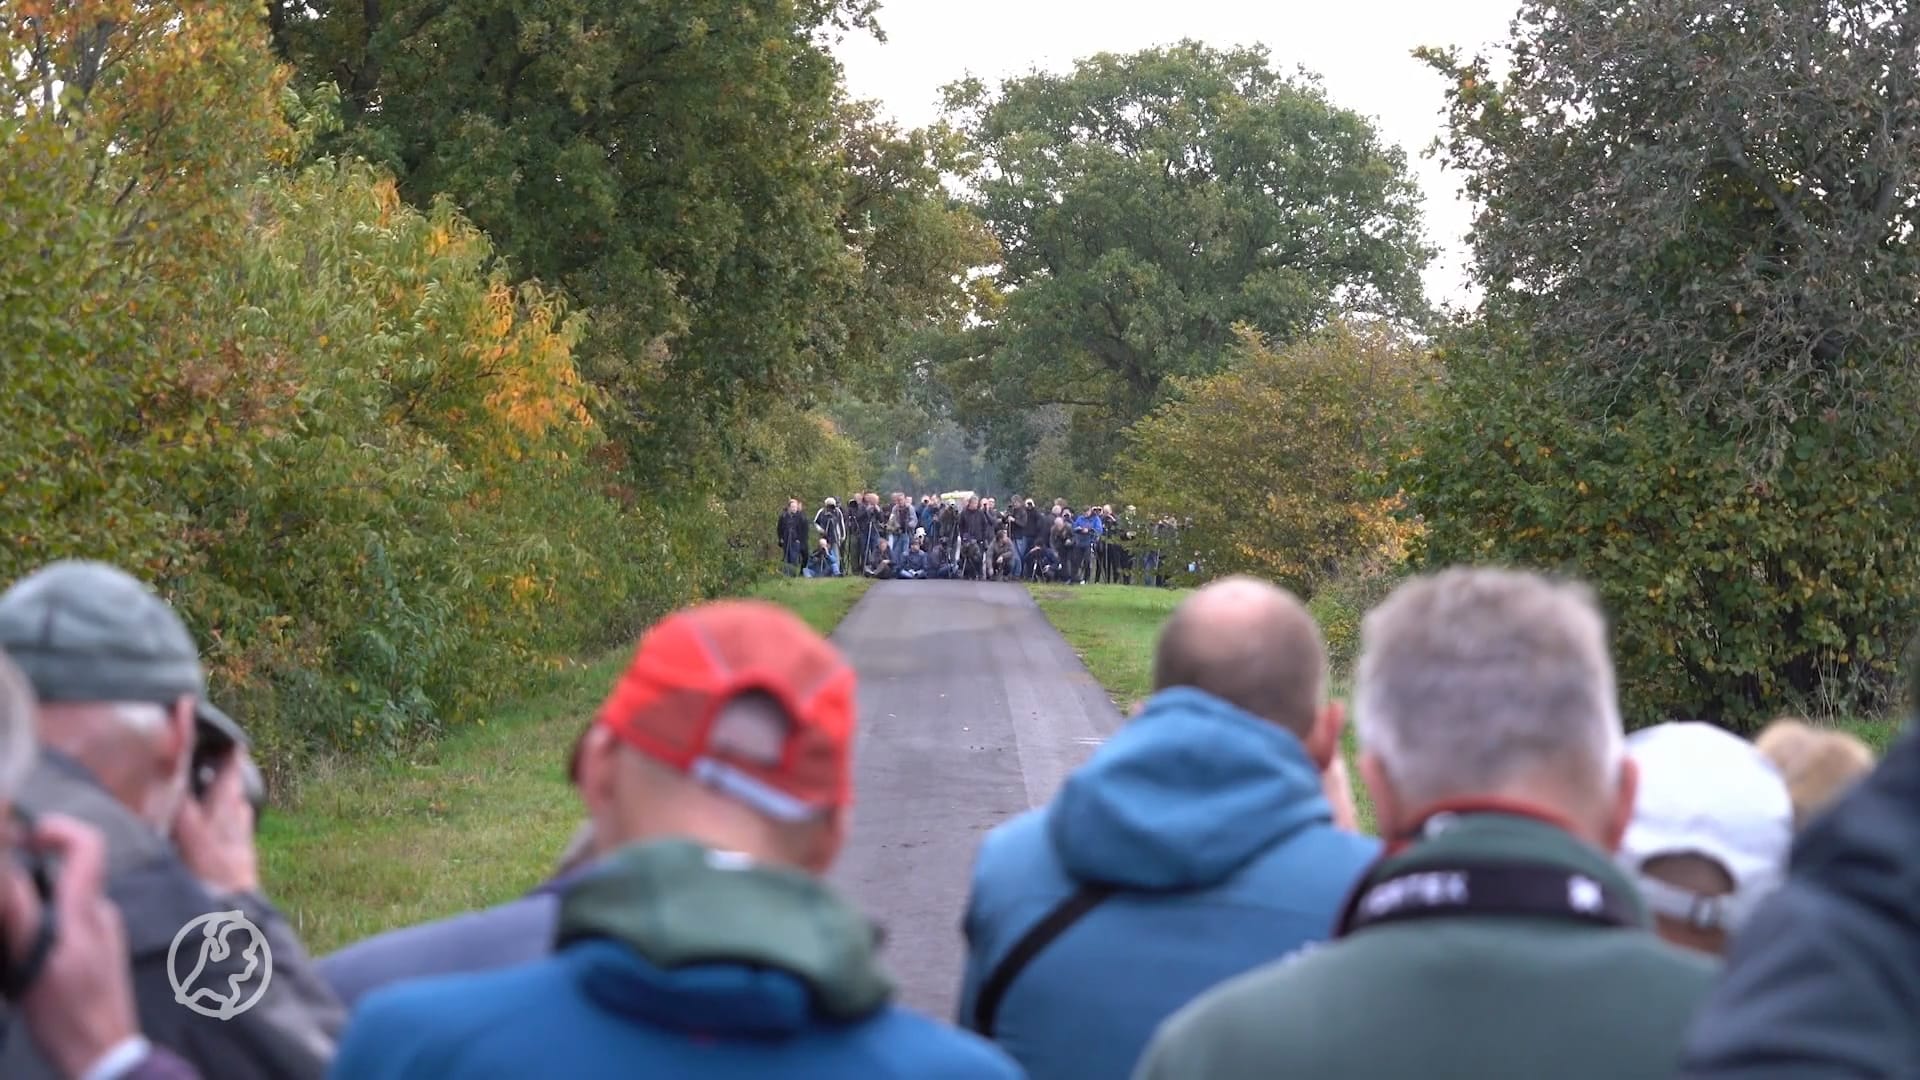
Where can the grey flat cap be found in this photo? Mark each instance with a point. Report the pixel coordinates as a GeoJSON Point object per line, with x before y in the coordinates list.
{"type": "Point", "coordinates": [86, 631]}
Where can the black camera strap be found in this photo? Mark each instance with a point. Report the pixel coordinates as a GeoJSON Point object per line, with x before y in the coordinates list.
{"type": "Point", "coordinates": [993, 989]}
{"type": "Point", "coordinates": [17, 976]}
{"type": "Point", "coordinates": [1498, 889]}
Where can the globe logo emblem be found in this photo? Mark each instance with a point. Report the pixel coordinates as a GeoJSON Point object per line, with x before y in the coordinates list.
{"type": "Point", "coordinates": [219, 965]}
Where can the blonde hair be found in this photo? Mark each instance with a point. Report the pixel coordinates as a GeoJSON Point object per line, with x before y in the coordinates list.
{"type": "Point", "coordinates": [1819, 766]}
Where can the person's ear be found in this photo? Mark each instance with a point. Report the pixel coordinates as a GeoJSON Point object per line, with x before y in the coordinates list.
{"type": "Point", "coordinates": [1620, 814]}
{"type": "Point", "coordinates": [175, 748]}
{"type": "Point", "coordinates": [597, 779]}
{"type": "Point", "coordinates": [828, 838]}
{"type": "Point", "coordinates": [1387, 804]}
{"type": "Point", "coordinates": [1323, 739]}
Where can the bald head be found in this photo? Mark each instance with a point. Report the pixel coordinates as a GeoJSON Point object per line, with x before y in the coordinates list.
{"type": "Point", "coordinates": [1251, 644]}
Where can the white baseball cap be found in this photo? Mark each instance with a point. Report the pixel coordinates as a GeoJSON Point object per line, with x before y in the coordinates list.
{"type": "Point", "coordinates": [1705, 791]}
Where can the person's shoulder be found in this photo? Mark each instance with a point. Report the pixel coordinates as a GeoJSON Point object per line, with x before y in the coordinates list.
{"type": "Point", "coordinates": [919, 1047]}
{"type": "Point", "coordinates": [1681, 971]}
{"type": "Point", "coordinates": [1250, 1014]}
{"type": "Point", "coordinates": [514, 932]}
{"type": "Point", "coordinates": [1020, 839]}
{"type": "Point", "coordinates": [447, 1009]}
{"type": "Point", "coordinates": [1014, 861]}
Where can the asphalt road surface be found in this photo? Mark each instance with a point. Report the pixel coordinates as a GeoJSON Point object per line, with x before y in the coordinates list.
{"type": "Point", "coordinates": [972, 710]}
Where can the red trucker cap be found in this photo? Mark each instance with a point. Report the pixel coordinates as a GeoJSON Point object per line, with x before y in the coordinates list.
{"type": "Point", "coordinates": [692, 663]}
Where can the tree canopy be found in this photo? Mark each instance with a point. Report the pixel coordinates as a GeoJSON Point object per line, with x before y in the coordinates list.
{"type": "Point", "coordinates": [691, 173]}
{"type": "Point", "coordinates": [1693, 384]}
{"type": "Point", "coordinates": [1706, 200]}
{"type": "Point", "coordinates": [1148, 203]}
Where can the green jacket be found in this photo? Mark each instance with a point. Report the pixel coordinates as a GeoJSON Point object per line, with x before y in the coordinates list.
{"type": "Point", "coordinates": [1474, 997]}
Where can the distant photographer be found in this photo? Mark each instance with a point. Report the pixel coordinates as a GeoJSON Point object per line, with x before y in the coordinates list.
{"type": "Point", "coordinates": [131, 747]}
{"type": "Point", "coordinates": [63, 972]}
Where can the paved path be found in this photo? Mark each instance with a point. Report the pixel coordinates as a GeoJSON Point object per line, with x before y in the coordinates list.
{"type": "Point", "coordinates": [972, 710]}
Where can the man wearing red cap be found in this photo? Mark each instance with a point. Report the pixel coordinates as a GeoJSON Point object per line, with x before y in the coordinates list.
{"type": "Point", "coordinates": [719, 773]}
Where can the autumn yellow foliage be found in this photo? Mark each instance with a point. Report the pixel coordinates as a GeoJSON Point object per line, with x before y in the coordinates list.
{"type": "Point", "coordinates": [1277, 460]}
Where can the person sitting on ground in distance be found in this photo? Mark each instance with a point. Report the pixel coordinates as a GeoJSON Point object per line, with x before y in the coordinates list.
{"type": "Point", "coordinates": [1043, 564]}
{"type": "Point", "coordinates": [1202, 829]}
{"type": "Point", "coordinates": [1005, 556]}
{"type": "Point", "coordinates": [707, 944]}
{"type": "Point", "coordinates": [820, 563]}
{"type": "Point", "coordinates": [1497, 940]}
{"type": "Point", "coordinates": [122, 706]}
{"type": "Point", "coordinates": [1819, 766]}
{"type": "Point", "coordinates": [1825, 979]}
{"type": "Point", "coordinates": [1712, 824]}
{"type": "Point", "coordinates": [72, 995]}
{"type": "Point", "coordinates": [973, 560]}
{"type": "Point", "coordinates": [917, 565]}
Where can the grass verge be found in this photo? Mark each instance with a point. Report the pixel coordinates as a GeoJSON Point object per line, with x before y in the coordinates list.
{"type": "Point", "coordinates": [471, 820]}
{"type": "Point", "coordinates": [1113, 628]}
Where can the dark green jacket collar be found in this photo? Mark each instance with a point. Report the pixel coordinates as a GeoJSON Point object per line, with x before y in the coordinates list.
{"type": "Point", "coordinates": [678, 904]}
{"type": "Point", "coordinates": [1499, 837]}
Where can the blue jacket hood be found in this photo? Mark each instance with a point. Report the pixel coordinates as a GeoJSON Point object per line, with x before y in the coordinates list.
{"type": "Point", "coordinates": [1184, 795]}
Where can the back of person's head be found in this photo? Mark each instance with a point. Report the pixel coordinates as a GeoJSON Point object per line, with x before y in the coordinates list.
{"type": "Point", "coordinates": [1254, 646]}
{"type": "Point", "coordinates": [1712, 826]}
{"type": "Point", "coordinates": [1485, 684]}
{"type": "Point", "coordinates": [733, 726]}
{"type": "Point", "coordinates": [1818, 766]}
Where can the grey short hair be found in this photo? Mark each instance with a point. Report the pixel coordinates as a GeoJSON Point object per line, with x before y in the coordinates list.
{"type": "Point", "coordinates": [1472, 677]}
{"type": "Point", "coordinates": [16, 728]}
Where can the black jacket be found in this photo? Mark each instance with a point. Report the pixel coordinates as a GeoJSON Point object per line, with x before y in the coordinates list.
{"type": "Point", "coordinates": [977, 524]}
{"type": "Point", "coordinates": [831, 523]}
{"type": "Point", "coordinates": [1034, 524]}
{"type": "Point", "coordinates": [793, 528]}
{"type": "Point", "coordinates": [1824, 982]}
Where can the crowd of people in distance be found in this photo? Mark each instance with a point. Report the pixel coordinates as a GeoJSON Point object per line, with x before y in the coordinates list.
{"type": "Point", "coordinates": [968, 537]}
{"type": "Point", "coordinates": [1542, 894]}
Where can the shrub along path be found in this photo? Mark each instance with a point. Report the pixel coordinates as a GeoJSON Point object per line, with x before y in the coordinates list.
{"type": "Point", "coordinates": [472, 820]}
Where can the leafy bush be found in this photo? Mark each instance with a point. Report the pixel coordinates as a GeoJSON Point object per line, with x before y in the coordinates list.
{"type": "Point", "coordinates": [1734, 594]}
{"type": "Point", "coordinates": [1276, 460]}
{"type": "Point", "coordinates": [1340, 605]}
{"type": "Point", "coordinates": [353, 453]}
{"type": "Point", "coordinates": [789, 453]}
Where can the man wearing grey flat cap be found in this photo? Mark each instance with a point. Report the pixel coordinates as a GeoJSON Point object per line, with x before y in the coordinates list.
{"type": "Point", "coordinates": [122, 710]}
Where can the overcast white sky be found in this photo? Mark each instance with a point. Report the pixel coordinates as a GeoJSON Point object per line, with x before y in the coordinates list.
{"type": "Point", "coordinates": [1360, 48]}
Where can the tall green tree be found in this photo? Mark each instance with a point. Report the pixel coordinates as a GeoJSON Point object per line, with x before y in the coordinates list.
{"type": "Point", "coordinates": [1704, 200]}
{"type": "Point", "coordinates": [688, 171]}
{"type": "Point", "coordinates": [1694, 382]}
{"type": "Point", "coordinates": [1148, 203]}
